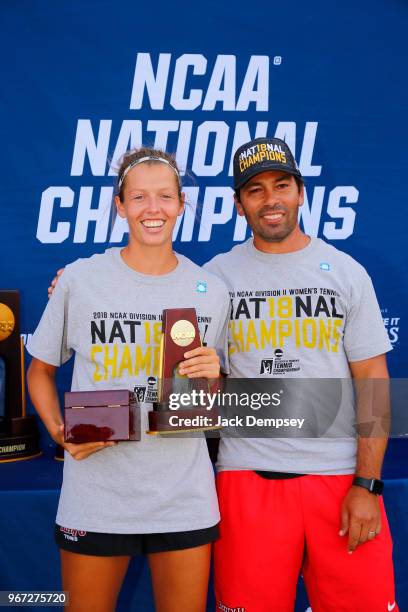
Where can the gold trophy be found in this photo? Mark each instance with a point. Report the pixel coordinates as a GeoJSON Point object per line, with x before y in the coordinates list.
{"type": "Point", "coordinates": [19, 436]}
{"type": "Point", "coordinates": [180, 334]}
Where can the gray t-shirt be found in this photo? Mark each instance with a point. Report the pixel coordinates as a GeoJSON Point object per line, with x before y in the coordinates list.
{"type": "Point", "coordinates": [304, 314]}
{"type": "Point", "coordinates": [109, 316]}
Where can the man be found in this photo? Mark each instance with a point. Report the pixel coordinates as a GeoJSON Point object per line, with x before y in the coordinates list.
{"type": "Point", "coordinates": [301, 308]}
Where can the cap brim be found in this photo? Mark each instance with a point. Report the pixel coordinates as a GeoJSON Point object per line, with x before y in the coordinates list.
{"type": "Point", "coordinates": [239, 184]}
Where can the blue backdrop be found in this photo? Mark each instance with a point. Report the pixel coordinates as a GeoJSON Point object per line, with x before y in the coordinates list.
{"type": "Point", "coordinates": [83, 81]}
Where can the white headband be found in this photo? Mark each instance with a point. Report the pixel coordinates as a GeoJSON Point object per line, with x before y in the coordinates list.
{"type": "Point", "coordinates": [144, 159]}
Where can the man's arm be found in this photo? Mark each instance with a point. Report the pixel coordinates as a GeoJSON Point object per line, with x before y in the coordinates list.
{"type": "Point", "coordinates": [360, 513]}
{"type": "Point", "coordinates": [54, 281]}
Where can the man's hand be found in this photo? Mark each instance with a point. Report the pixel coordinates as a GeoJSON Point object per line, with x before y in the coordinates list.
{"type": "Point", "coordinates": [54, 282]}
{"type": "Point", "coordinates": [360, 517]}
{"type": "Point", "coordinates": [80, 451]}
{"type": "Point", "coordinates": [202, 362]}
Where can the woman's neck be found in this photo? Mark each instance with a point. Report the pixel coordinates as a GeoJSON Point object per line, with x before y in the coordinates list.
{"type": "Point", "coordinates": [150, 260]}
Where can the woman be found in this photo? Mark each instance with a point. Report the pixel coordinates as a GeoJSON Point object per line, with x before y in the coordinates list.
{"type": "Point", "coordinates": [155, 496]}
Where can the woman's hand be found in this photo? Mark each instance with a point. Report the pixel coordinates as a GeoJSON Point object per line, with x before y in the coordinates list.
{"type": "Point", "coordinates": [79, 451]}
{"type": "Point", "coordinates": [202, 362]}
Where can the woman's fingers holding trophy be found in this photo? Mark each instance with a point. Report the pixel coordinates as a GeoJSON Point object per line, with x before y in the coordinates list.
{"type": "Point", "coordinates": [201, 362]}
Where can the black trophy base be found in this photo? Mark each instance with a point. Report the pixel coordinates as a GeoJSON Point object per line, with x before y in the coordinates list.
{"type": "Point", "coordinates": [178, 421]}
{"type": "Point", "coordinates": [22, 441]}
{"type": "Point", "coordinates": [59, 453]}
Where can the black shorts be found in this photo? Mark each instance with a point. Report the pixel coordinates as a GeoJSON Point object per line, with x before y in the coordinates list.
{"type": "Point", "coordinates": [112, 544]}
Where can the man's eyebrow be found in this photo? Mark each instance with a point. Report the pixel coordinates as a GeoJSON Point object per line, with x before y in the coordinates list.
{"type": "Point", "coordinates": [284, 177]}
{"type": "Point", "coordinates": [252, 183]}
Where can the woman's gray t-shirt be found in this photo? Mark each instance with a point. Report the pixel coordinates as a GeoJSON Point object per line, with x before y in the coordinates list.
{"type": "Point", "coordinates": [109, 316]}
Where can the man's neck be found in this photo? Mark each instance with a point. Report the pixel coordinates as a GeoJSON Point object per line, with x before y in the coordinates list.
{"type": "Point", "coordinates": [296, 241]}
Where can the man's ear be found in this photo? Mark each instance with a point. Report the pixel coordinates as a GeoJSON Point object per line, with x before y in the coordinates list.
{"type": "Point", "coordinates": [302, 195]}
{"type": "Point", "coordinates": [239, 207]}
{"type": "Point", "coordinates": [120, 207]}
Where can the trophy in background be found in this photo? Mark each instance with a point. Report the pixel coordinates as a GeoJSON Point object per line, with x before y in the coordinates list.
{"type": "Point", "coordinates": [180, 334]}
{"type": "Point", "coordinates": [19, 436]}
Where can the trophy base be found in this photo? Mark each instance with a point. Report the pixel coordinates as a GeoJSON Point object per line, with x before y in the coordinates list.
{"type": "Point", "coordinates": [59, 453]}
{"type": "Point", "coordinates": [179, 421]}
{"type": "Point", "coordinates": [23, 441]}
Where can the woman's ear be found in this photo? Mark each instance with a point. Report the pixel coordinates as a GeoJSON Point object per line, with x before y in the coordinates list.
{"type": "Point", "coordinates": [182, 203]}
{"type": "Point", "coordinates": [120, 207]}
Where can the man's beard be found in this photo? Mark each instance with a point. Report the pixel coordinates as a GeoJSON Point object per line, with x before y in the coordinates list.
{"type": "Point", "coordinates": [272, 233]}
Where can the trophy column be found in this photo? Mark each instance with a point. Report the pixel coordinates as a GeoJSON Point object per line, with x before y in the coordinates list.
{"type": "Point", "coordinates": [19, 436]}
{"type": "Point", "coordinates": [180, 333]}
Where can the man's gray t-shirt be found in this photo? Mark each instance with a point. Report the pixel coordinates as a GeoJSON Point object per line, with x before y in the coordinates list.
{"type": "Point", "coordinates": [110, 316]}
{"type": "Point", "coordinates": [304, 314]}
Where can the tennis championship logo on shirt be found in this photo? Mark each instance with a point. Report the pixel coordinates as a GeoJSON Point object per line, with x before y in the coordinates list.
{"type": "Point", "coordinates": [147, 394]}
{"type": "Point", "coordinates": [139, 393]}
{"type": "Point", "coordinates": [151, 391]}
{"type": "Point", "coordinates": [278, 365]}
{"type": "Point", "coordinates": [304, 317]}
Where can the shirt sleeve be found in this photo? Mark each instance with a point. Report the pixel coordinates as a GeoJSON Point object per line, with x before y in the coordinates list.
{"type": "Point", "coordinates": [365, 335]}
{"type": "Point", "coordinates": [222, 345]}
{"type": "Point", "coordinates": [49, 341]}
{"type": "Point", "coordinates": [221, 342]}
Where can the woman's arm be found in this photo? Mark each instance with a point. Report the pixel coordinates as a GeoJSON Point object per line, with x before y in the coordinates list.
{"type": "Point", "coordinates": [43, 393]}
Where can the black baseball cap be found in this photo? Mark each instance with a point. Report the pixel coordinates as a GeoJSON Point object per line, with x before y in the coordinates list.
{"type": "Point", "coordinates": [261, 155]}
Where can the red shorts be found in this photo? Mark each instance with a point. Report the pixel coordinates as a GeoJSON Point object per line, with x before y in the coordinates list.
{"type": "Point", "coordinates": [273, 530]}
